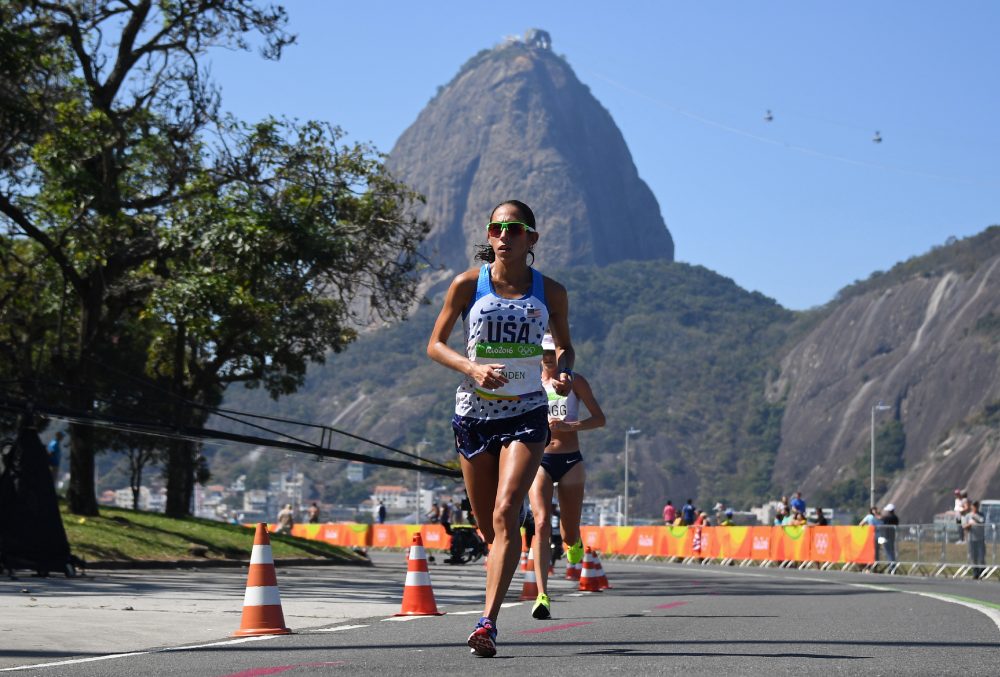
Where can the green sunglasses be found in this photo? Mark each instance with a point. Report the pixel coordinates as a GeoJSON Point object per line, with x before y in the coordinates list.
{"type": "Point", "coordinates": [515, 228]}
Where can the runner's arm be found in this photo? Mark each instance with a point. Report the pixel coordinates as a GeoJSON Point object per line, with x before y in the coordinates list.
{"type": "Point", "coordinates": [460, 293]}
{"type": "Point", "coordinates": [586, 395]}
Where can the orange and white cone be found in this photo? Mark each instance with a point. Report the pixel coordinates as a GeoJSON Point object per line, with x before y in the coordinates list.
{"type": "Point", "coordinates": [602, 578]}
{"type": "Point", "coordinates": [418, 597]}
{"type": "Point", "coordinates": [530, 588]}
{"type": "Point", "coordinates": [261, 603]}
{"type": "Point", "coordinates": [588, 574]}
{"type": "Point", "coordinates": [573, 571]}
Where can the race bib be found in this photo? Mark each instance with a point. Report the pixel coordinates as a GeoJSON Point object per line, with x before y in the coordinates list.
{"type": "Point", "coordinates": [521, 367]}
{"type": "Point", "coordinates": [558, 405]}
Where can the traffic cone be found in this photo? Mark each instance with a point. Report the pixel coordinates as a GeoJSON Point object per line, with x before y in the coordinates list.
{"type": "Point", "coordinates": [261, 602]}
{"type": "Point", "coordinates": [602, 578]}
{"type": "Point", "coordinates": [530, 588]}
{"type": "Point", "coordinates": [588, 574]}
{"type": "Point", "coordinates": [573, 571]}
{"type": "Point", "coordinates": [418, 597]}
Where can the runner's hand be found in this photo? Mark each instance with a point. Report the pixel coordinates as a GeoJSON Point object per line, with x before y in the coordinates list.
{"type": "Point", "coordinates": [563, 385]}
{"type": "Point", "coordinates": [488, 376]}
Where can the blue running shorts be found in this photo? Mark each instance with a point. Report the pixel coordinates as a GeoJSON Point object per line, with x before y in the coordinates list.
{"type": "Point", "coordinates": [557, 465]}
{"type": "Point", "coordinates": [474, 436]}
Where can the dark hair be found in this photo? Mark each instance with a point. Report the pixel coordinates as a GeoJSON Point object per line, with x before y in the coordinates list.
{"type": "Point", "coordinates": [484, 252]}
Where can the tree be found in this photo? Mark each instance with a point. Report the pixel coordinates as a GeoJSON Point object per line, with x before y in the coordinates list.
{"type": "Point", "coordinates": [137, 188]}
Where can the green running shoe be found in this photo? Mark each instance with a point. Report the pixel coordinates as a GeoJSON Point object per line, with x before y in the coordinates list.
{"type": "Point", "coordinates": [574, 555]}
{"type": "Point", "coordinates": [541, 610]}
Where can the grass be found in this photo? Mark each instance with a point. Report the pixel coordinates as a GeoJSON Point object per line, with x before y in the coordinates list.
{"type": "Point", "coordinates": [135, 536]}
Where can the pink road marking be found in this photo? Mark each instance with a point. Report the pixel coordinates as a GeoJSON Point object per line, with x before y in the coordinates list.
{"type": "Point", "coordinates": [554, 628]}
{"type": "Point", "coordinates": [261, 672]}
{"type": "Point", "coordinates": [670, 605]}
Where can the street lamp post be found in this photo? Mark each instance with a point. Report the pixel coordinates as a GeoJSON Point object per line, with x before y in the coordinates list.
{"type": "Point", "coordinates": [416, 513]}
{"type": "Point", "coordinates": [878, 406]}
{"type": "Point", "coordinates": [628, 433]}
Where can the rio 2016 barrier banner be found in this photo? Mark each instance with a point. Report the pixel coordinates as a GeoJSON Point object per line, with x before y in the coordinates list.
{"type": "Point", "coordinates": [790, 543]}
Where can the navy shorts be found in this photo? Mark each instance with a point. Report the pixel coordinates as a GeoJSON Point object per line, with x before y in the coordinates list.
{"type": "Point", "coordinates": [474, 436]}
{"type": "Point", "coordinates": [557, 465]}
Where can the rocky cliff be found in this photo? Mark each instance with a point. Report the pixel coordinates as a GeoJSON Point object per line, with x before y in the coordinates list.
{"type": "Point", "coordinates": [925, 340]}
{"type": "Point", "coordinates": [515, 122]}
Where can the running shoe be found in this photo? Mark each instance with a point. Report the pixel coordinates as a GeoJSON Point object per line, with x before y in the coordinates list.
{"type": "Point", "coordinates": [542, 609]}
{"type": "Point", "coordinates": [574, 555]}
{"type": "Point", "coordinates": [483, 640]}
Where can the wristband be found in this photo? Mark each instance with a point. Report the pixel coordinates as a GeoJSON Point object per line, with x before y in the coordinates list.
{"type": "Point", "coordinates": [568, 372]}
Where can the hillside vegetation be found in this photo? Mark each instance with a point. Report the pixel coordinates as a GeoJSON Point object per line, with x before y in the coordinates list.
{"type": "Point", "coordinates": [675, 350]}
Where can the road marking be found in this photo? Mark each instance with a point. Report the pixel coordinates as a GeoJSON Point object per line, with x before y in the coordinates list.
{"type": "Point", "coordinates": [339, 628]}
{"type": "Point", "coordinates": [505, 605]}
{"type": "Point", "coordinates": [273, 670]}
{"type": "Point", "coordinates": [983, 607]}
{"type": "Point", "coordinates": [403, 619]}
{"type": "Point", "coordinates": [554, 628]}
{"type": "Point", "coordinates": [670, 605]}
{"type": "Point", "coordinates": [92, 659]}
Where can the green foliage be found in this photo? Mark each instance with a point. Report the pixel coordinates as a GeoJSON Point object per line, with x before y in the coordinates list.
{"type": "Point", "coordinates": [961, 256]}
{"type": "Point", "coordinates": [209, 250]}
{"type": "Point", "coordinates": [852, 491]}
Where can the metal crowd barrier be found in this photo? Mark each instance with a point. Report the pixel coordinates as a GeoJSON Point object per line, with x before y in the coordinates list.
{"type": "Point", "coordinates": [930, 550]}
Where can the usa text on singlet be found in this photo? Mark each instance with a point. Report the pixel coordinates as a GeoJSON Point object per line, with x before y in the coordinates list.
{"type": "Point", "coordinates": [508, 332]}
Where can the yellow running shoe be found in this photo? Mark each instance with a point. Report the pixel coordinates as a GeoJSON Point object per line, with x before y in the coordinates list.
{"type": "Point", "coordinates": [574, 554]}
{"type": "Point", "coordinates": [542, 609]}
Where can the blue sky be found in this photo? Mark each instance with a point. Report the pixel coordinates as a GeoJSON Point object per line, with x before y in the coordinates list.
{"type": "Point", "coordinates": [796, 208]}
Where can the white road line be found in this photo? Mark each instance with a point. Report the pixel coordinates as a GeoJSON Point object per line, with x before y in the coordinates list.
{"type": "Point", "coordinates": [91, 659]}
{"type": "Point", "coordinates": [403, 619]}
{"type": "Point", "coordinates": [990, 613]}
{"type": "Point", "coordinates": [339, 628]}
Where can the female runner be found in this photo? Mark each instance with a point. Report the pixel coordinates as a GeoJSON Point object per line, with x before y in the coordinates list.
{"type": "Point", "coordinates": [500, 423]}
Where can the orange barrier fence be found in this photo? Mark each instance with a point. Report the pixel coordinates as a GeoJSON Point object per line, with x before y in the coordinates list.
{"type": "Point", "coordinates": [790, 543]}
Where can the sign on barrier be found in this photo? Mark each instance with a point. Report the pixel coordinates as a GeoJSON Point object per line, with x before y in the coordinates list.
{"type": "Point", "coordinates": [780, 543]}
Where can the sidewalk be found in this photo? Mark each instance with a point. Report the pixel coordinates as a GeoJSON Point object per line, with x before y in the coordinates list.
{"type": "Point", "coordinates": [114, 611]}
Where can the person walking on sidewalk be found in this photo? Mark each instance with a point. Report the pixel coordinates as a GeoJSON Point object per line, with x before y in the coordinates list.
{"type": "Point", "coordinates": [500, 422]}
{"type": "Point", "coordinates": [562, 467]}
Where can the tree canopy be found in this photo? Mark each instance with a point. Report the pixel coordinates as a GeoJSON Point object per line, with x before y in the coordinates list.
{"type": "Point", "coordinates": [143, 219]}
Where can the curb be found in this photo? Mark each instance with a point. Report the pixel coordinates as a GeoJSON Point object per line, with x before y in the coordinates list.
{"type": "Point", "coordinates": [216, 563]}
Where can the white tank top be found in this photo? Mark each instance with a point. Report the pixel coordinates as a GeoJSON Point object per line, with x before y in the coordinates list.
{"type": "Point", "coordinates": [562, 407]}
{"type": "Point", "coordinates": [508, 332]}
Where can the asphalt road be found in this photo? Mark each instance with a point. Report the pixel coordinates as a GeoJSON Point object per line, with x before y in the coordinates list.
{"type": "Point", "coordinates": [658, 619]}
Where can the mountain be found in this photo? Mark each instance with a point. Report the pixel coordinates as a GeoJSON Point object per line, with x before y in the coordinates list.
{"type": "Point", "coordinates": [515, 122]}
{"type": "Point", "coordinates": [924, 339]}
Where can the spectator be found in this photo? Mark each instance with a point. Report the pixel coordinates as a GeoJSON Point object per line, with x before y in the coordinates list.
{"type": "Point", "coordinates": [286, 519]}
{"type": "Point", "coordinates": [872, 519]}
{"type": "Point", "coordinates": [688, 513]}
{"type": "Point", "coordinates": [975, 534]}
{"type": "Point", "coordinates": [961, 507]}
{"type": "Point", "coordinates": [380, 513]}
{"type": "Point", "coordinates": [445, 516]}
{"type": "Point", "coordinates": [435, 514]}
{"type": "Point", "coordinates": [781, 517]}
{"type": "Point", "coordinates": [669, 513]}
{"type": "Point", "coordinates": [797, 519]}
{"type": "Point", "coordinates": [820, 517]}
{"type": "Point", "coordinates": [890, 521]}
{"type": "Point", "coordinates": [55, 455]}
{"type": "Point", "coordinates": [467, 509]}
{"type": "Point", "coordinates": [313, 513]}
{"type": "Point", "coordinates": [702, 520]}
{"type": "Point", "coordinates": [727, 520]}
{"type": "Point", "coordinates": [798, 503]}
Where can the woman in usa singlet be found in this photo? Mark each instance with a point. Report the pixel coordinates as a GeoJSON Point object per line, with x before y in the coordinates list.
{"type": "Point", "coordinates": [501, 423]}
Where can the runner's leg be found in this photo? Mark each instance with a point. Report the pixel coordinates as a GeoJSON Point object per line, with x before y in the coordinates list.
{"type": "Point", "coordinates": [481, 475]}
{"type": "Point", "coordinates": [518, 465]}
{"type": "Point", "coordinates": [540, 496]}
{"type": "Point", "coordinates": [570, 489]}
